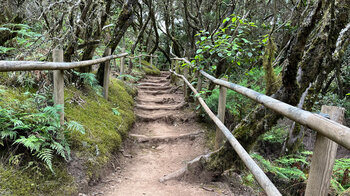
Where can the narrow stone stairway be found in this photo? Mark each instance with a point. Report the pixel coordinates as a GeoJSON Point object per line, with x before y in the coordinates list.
{"type": "Point", "coordinates": [164, 138]}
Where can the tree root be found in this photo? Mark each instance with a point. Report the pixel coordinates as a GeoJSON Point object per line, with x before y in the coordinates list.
{"type": "Point", "coordinates": [168, 118]}
{"type": "Point", "coordinates": [160, 92]}
{"type": "Point", "coordinates": [194, 170]}
{"type": "Point", "coordinates": [154, 139]}
{"type": "Point", "coordinates": [155, 87]}
{"type": "Point", "coordinates": [161, 107]}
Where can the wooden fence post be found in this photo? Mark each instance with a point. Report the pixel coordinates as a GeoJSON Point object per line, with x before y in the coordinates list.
{"type": "Point", "coordinates": [185, 86]}
{"type": "Point", "coordinates": [58, 83]}
{"type": "Point", "coordinates": [323, 157]}
{"type": "Point", "coordinates": [199, 85]}
{"type": "Point", "coordinates": [151, 60]}
{"type": "Point", "coordinates": [122, 65]}
{"type": "Point", "coordinates": [106, 76]}
{"type": "Point", "coordinates": [219, 136]}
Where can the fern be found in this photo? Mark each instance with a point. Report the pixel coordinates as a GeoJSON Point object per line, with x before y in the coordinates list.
{"type": "Point", "coordinates": [38, 130]}
{"type": "Point", "coordinates": [75, 126]}
{"type": "Point", "coordinates": [283, 172]}
{"type": "Point", "coordinates": [32, 142]}
{"type": "Point", "coordinates": [90, 79]}
{"type": "Point", "coordinates": [46, 156]}
{"type": "Point", "coordinates": [8, 133]}
{"type": "Point", "coordinates": [60, 150]}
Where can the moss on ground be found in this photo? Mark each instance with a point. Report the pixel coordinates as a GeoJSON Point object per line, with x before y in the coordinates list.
{"type": "Point", "coordinates": [29, 182]}
{"type": "Point", "coordinates": [105, 128]}
{"type": "Point", "coordinates": [106, 122]}
{"type": "Point", "coordinates": [150, 69]}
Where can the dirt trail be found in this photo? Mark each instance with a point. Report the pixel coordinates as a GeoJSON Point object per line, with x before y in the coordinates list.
{"type": "Point", "coordinates": [163, 139]}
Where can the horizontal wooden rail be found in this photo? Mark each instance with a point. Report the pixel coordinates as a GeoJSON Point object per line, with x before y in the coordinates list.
{"type": "Point", "coordinates": [331, 129]}
{"type": "Point", "coordinates": [40, 65]}
{"type": "Point", "coordinates": [258, 173]}
{"type": "Point", "coordinates": [327, 130]}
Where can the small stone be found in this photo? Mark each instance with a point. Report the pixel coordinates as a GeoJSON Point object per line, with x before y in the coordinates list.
{"type": "Point", "coordinates": [153, 147]}
{"type": "Point", "coordinates": [118, 168]}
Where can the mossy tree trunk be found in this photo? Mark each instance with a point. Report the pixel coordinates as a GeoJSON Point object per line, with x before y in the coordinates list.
{"type": "Point", "coordinates": [124, 20]}
{"type": "Point", "coordinates": [309, 58]}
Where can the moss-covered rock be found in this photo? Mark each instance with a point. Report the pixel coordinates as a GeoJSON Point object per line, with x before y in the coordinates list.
{"type": "Point", "coordinates": [150, 69]}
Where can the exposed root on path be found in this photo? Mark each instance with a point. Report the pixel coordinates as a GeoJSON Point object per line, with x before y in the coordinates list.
{"type": "Point", "coordinates": [193, 171]}
{"type": "Point", "coordinates": [157, 139]}
{"type": "Point", "coordinates": [161, 107]}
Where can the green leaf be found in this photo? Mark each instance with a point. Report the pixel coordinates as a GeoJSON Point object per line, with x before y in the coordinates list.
{"type": "Point", "coordinates": [75, 126]}
{"type": "Point", "coordinates": [4, 29]}
{"type": "Point", "coordinates": [203, 38]}
{"type": "Point", "coordinates": [199, 51]}
{"type": "Point", "coordinates": [226, 19]}
{"type": "Point", "coordinates": [234, 19]}
{"type": "Point", "coordinates": [238, 63]}
{"type": "Point", "coordinates": [250, 54]}
{"type": "Point", "coordinates": [115, 111]}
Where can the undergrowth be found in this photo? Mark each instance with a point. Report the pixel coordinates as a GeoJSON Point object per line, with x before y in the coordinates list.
{"type": "Point", "coordinates": [294, 169]}
{"type": "Point", "coordinates": [34, 126]}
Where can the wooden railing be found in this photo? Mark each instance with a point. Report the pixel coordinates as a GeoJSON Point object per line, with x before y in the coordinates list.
{"type": "Point", "coordinates": [327, 130]}
{"type": "Point", "coordinates": [122, 62]}
{"type": "Point", "coordinates": [59, 66]}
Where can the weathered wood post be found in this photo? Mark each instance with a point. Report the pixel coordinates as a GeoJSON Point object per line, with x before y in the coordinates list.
{"type": "Point", "coordinates": [199, 84]}
{"type": "Point", "coordinates": [323, 157]}
{"type": "Point", "coordinates": [185, 86]}
{"type": "Point", "coordinates": [58, 83]}
{"type": "Point", "coordinates": [122, 64]}
{"type": "Point", "coordinates": [106, 75]}
{"type": "Point", "coordinates": [220, 137]}
{"type": "Point", "coordinates": [151, 60]}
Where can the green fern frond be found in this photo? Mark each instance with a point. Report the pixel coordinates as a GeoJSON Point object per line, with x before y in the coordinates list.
{"type": "Point", "coordinates": [32, 142]}
{"type": "Point", "coordinates": [46, 155]}
{"type": "Point", "coordinates": [53, 111]}
{"type": "Point", "coordinates": [75, 126]}
{"type": "Point", "coordinates": [60, 150]}
{"type": "Point", "coordinates": [8, 133]}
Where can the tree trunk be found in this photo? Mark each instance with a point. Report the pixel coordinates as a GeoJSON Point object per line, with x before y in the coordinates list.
{"type": "Point", "coordinates": [124, 20]}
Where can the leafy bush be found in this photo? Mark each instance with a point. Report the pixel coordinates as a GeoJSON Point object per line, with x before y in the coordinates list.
{"type": "Point", "coordinates": [38, 130]}
{"type": "Point", "coordinates": [238, 104]}
{"type": "Point", "coordinates": [234, 44]}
